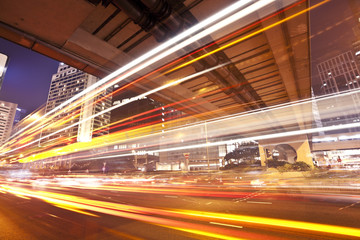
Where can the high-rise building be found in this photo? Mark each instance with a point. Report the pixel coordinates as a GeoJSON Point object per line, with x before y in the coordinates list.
{"type": "Point", "coordinates": [65, 84]}
{"type": "Point", "coordinates": [3, 65]}
{"type": "Point", "coordinates": [7, 115]}
{"type": "Point", "coordinates": [339, 73]}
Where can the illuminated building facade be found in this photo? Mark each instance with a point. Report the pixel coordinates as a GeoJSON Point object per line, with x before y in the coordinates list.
{"type": "Point", "coordinates": [65, 84]}
{"type": "Point", "coordinates": [131, 108]}
{"type": "Point", "coordinates": [7, 115]}
{"type": "Point", "coordinates": [339, 73]}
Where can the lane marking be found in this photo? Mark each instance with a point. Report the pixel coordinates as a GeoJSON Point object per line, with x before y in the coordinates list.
{"type": "Point", "coordinates": [351, 205]}
{"type": "Point", "coordinates": [259, 202]}
{"type": "Point", "coordinates": [228, 225]}
{"type": "Point", "coordinates": [52, 215]}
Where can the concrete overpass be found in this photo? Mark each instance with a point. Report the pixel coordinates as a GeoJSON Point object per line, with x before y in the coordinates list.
{"type": "Point", "coordinates": [269, 68]}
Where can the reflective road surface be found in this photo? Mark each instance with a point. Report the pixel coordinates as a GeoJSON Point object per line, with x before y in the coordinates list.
{"type": "Point", "coordinates": [178, 207]}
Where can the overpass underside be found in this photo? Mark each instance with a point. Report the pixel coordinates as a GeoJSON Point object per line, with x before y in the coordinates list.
{"type": "Point", "coordinates": [258, 61]}
{"type": "Point", "coordinates": [268, 64]}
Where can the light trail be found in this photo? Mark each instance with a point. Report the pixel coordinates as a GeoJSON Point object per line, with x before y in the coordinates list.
{"type": "Point", "coordinates": [140, 133]}
{"type": "Point", "coordinates": [131, 66]}
{"type": "Point", "coordinates": [155, 216]}
{"type": "Point", "coordinates": [69, 126]}
{"type": "Point", "coordinates": [248, 36]}
{"type": "Point", "coordinates": [79, 204]}
{"type": "Point", "coordinates": [244, 139]}
{"type": "Point", "coordinates": [242, 13]}
{"type": "Point", "coordinates": [211, 44]}
{"type": "Point", "coordinates": [238, 15]}
{"type": "Point", "coordinates": [171, 83]}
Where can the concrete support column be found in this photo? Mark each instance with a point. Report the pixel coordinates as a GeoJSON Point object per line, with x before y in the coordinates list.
{"type": "Point", "coordinates": [300, 144]}
{"type": "Point", "coordinates": [303, 150]}
{"type": "Point", "coordinates": [264, 152]}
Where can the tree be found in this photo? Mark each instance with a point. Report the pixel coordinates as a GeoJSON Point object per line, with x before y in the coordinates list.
{"type": "Point", "coordinates": [246, 152]}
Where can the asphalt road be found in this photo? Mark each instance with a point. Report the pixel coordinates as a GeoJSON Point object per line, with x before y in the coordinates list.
{"type": "Point", "coordinates": [141, 210]}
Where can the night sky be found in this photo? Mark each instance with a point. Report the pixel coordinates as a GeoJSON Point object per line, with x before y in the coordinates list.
{"type": "Point", "coordinates": [27, 79]}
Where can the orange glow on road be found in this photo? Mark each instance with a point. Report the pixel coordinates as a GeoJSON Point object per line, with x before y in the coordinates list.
{"type": "Point", "coordinates": [153, 216]}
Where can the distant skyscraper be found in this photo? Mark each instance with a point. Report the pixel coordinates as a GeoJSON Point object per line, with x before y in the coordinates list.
{"type": "Point", "coordinates": [29, 119]}
{"type": "Point", "coordinates": [65, 84]}
{"type": "Point", "coordinates": [3, 65]}
{"type": "Point", "coordinates": [7, 115]}
{"type": "Point", "coordinates": [20, 113]}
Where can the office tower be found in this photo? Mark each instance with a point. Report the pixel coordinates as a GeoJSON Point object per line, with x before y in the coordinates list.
{"type": "Point", "coordinates": [338, 74]}
{"type": "Point", "coordinates": [3, 65]}
{"type": "Point", "coordinates": [7, 115]}
{"type": "Point", "coordinates": [65, 84]}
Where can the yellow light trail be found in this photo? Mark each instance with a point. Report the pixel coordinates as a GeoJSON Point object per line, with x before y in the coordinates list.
{"type": "Point", "coordinates": [143, 214]}
{"type": "Point", "coordinates": [154, 55]}
{"type": "Point", "coordinates": [67, 108]}
{"type": "Point", "coordinates": [78, 204]}
{"type": "Point", "coordinates": [221, 48]}
{"type": "Point", "coordinates": [314, 227]}
{"type": "Point", "coordinates": [116, 76]}
{"type": "Point", "coordinates": [84, 146]}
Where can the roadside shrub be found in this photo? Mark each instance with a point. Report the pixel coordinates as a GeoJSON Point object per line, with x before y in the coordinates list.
{"type": "Point", "coordinates": [301, 166]}
{"type": "Point", "coordinates": [298, 166]}
{"type": "Point", "coordinates": [286, 168]}
{"type": "Point", "coordinates": [275, 163]}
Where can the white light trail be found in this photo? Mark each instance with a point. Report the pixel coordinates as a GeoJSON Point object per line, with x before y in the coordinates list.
{"type": "Point", "coordinates": [121, 104]}
{"type": "Point", "coordinates": [131, 66]}
{"type": "Point", "coordinates": [263, 137]}
{"type": "Point", "coordinates": [203, 24]}
{"type": "Point", "coordinates": [254, 138]}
